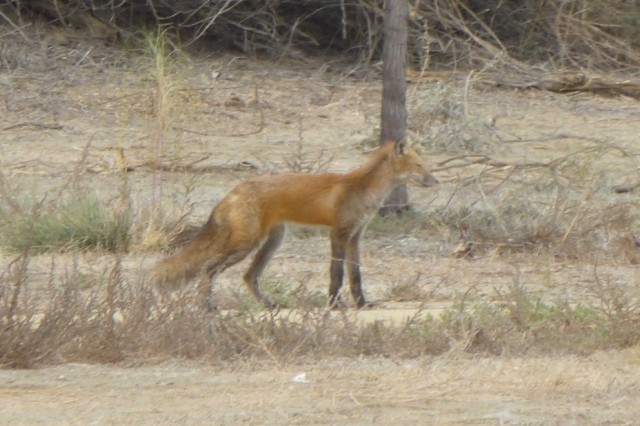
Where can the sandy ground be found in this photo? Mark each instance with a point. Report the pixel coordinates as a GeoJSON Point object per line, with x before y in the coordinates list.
{"type": "Point", "coordinates": [601, 389]}
{"type": "Point", "coordinates": [239, 117]}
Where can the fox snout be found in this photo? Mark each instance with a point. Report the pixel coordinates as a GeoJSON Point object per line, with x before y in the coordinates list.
{"type": "Point", "coordinates": [423, 180]}
{"type": "Point", "coordinates": [429, 180]}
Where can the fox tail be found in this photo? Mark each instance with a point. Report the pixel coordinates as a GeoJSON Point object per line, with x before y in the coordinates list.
{"type": "Point", "coordinates": [175, 271]}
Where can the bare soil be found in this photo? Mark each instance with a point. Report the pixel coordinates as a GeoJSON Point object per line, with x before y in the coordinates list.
{"type": "Point", "coordinates": [601, 389]}
{"type": "Point", "coordinates": [234, 117]}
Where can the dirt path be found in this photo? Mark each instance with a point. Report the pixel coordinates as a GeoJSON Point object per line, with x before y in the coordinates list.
{"type": "Point", "coordinates": [604, 388]}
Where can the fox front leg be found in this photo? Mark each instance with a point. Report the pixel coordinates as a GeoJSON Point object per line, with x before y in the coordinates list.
{"type": "Point", "coordinates": [338, 251]}
{"type": "Point", "coordinates": [353, 268]}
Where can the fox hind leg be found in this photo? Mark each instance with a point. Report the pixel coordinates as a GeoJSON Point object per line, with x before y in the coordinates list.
{"type": "Point", "coordinates": [205, 283]}
{"type": "Point", "coordinates": [262, 258]}
{"type": "Point", "coordinates": [217, 265]}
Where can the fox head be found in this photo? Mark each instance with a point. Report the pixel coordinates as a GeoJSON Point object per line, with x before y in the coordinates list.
{"type": "Point", "coordinates": [409, 167]}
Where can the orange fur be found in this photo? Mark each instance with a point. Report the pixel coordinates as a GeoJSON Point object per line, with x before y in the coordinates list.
{"type": "Point", "coordinates": [257, 209]}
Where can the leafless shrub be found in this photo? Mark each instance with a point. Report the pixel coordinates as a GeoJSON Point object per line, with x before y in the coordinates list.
{"type": "Point", "coordinates": [558, 207]}
{"type": "Point", "coordinates": [302, 161]}
{"type": "Point", "coordinates": [583, 34]}
{"type": "Point", "coordinates": [441, 121]}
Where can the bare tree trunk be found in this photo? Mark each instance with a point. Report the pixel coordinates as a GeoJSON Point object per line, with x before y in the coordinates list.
{"type": "Point", "coordinates": [394, 90]}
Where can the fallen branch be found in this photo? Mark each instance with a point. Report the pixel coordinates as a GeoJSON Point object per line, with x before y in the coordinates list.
{"type": "Point", "coordinates": [182, 168]}
{"type": "Point", "coordinates": [493, 165]}
{"type": "Point", "coordinates": [34, 125]}
{"type": "Point", "coordinates": [565, 81]}
{"type": "Point", "coordinates": [475, 159]}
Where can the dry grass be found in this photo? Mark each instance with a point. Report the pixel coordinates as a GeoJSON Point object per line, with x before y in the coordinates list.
{"type": "Point", "coordinates": [407, 291]}
{"type": "Point", "coordinates": [119, 319]}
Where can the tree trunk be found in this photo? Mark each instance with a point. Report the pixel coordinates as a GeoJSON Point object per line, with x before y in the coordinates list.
{"type": "Point", "coordinates": [394, 90]}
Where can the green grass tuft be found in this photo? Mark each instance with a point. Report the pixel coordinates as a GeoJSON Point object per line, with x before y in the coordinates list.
{"type": "Point", "coordinates": [81, 223]}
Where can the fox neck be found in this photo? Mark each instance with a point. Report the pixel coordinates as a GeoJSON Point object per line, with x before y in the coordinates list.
{"type": "Point", "coordinates": [376, 178]}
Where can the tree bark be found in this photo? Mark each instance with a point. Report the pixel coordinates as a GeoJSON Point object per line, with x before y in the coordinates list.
{"type": "Point", "coordinates": [394, 90]}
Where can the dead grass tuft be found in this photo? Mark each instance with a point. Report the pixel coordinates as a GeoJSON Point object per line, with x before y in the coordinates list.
{"type": "Point", "coordinates": [407, 291]}
{"type": "Point", "coordinates": [120, 320]}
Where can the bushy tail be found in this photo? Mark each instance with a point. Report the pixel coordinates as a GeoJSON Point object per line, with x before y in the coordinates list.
{"type": "Point", "coordinates": [175, 271]}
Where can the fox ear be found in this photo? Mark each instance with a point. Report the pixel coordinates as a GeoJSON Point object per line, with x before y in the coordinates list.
{"type": "Point", "coordinates": [401, 146]}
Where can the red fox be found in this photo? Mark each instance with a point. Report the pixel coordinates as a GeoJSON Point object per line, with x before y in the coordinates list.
{"type": "Point", "coordinates": [257, 210]}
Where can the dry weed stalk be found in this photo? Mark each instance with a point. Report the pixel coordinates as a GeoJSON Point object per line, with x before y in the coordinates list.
{"type": "Point", "coordinates": [8, 197]}
{"type": "Point", "coordinates": [120, 321]}
{"type": "Point", "coordinates": [16, 274]}
{"type": "Point", "coordinates": [617, 306]}
{"type": "Point", "coordinates": [157, 45]}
